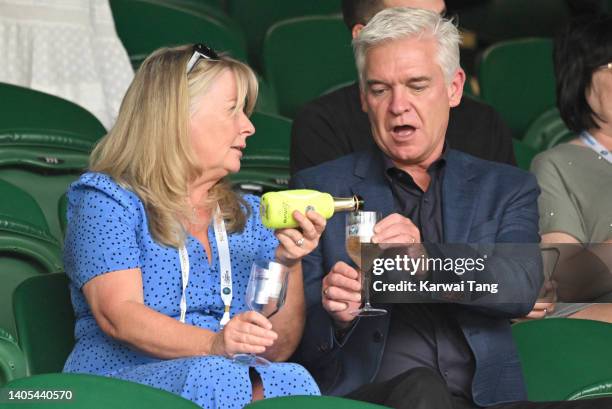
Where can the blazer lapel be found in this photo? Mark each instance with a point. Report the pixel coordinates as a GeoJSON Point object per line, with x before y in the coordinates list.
{"type": "Point", "coordinates": [372, 186]}
{"type": "Point", "coordinates": [460, 195]}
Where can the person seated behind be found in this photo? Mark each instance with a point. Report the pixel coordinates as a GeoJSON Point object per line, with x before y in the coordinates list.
{"type": "Point", "coordinates": [139, 231]}
{"type": "Point", "coordinates": [446, 355]}
{"type": "Point", "coordinates": [335, 124]}
{"type": "Point", "coordinates": [574, 176]}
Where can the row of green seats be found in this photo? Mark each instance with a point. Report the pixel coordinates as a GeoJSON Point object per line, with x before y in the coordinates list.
{"type": "Point", "coordinates": [562, 358]}
{"type": "Point", "coordinates": [45, 143]}
{"type": "Point", "coordinates": [27, 248]}
{"type": "Point", "coordinates": [303, 57]}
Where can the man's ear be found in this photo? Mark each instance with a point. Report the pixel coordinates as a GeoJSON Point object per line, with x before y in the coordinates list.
{"type": "Point", "coordinates": [356, 30]}
{"type": "Point", "coordinates": [455, 88]}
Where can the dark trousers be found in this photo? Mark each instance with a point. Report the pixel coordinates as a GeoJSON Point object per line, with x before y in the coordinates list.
{"type": "Point", "coordinates": [423, 388]}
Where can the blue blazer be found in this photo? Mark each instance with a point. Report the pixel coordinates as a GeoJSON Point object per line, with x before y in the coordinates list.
{"type": "Point", "coordinates": [482, 202]}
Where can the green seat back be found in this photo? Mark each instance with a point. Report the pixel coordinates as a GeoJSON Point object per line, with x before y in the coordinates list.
{"type": "Point", "coordinates": [12, 361]}
{"type": "Point", "coordinates": [562, 355]}
{"type": "Point", "coordinates": [523, 153]}
{"type": "Point", "coordinates": [269, 146]}
{"type": "Point", "coordinates": [26, 108]}
{"type": "Point", "coordinates": [266, 98]}
{"type": "Point", "coordinates": [45, 322]}
{"type": "Point", "coordinates": [26, 247]}
{"type": "Point", "coordinates": [547, 131]}
{"type": "Point", "coordinates": [62, 208]}
{"type": "Point", "coordinates": [597, 390]}
{"type": "Point", "coordinates": [258, 181]}
{"type": "Point", "coordinates": [257, 16]}
{"type": "Point", "coordinates": [304, 57]}
{"type": "Point", "coordinates": [43, 163]}
{"type": "Point", "coordinates": [307, 402]}
{"type": "Point", "coordinates": [98, 392]}
{"type": "Point", "coordinates": [211, 8]}
{"type": "Point", "coordinates": [146, 25]}
{"type": "Point", "coordinates": [517, 79]}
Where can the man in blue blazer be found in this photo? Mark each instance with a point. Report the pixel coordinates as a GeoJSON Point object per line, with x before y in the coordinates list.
{"type": "Point", "coordinates": [420, 355]}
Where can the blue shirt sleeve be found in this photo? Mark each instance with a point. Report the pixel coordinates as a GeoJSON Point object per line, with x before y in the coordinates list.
{"type": "Point", "coordinates": [102, 228]}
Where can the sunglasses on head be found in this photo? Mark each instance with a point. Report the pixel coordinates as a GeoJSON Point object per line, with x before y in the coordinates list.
{"type": "Point", "coordinates": [201, 51]}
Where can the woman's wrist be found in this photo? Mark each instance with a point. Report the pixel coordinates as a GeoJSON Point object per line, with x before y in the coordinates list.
{"type": "Point", "coordinates": [284, 260]}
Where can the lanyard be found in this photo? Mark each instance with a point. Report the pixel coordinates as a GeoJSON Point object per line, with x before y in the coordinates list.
{"type": "Point", "coordinates": [592, 143]}
{"type": "Point", "coordinates": [225, 272]}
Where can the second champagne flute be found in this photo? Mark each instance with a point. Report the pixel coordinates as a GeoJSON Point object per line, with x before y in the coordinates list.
{"type": "Point", "coordinates": [266, 293]}
{"type": "Point", "coordinates": [360, 229]}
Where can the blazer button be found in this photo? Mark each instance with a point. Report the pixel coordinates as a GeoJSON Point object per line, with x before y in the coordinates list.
{"type": "Point", "coordinates": [323, 348]}
{"type": "Point", "coordinates": [377, 336]}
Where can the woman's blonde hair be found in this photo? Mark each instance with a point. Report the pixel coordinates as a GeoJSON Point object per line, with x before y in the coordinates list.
{"type": "Point", "coordinates": [148, 150]}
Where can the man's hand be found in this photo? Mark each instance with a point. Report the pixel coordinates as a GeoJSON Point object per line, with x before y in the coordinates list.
{"type": "Point", "coordinates": [396, 229]}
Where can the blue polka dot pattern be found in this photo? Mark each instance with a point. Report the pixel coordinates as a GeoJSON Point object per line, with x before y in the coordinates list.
{"type": "Point", "coordinates": [107, 231]}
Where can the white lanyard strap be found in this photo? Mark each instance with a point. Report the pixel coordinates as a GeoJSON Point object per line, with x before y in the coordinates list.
{"type": "Point", "coordinates": [225, 269]}
{"type": "Point", "coordinates": [592, 143]}
{"type": "Point", "coordinates": [225, 272]}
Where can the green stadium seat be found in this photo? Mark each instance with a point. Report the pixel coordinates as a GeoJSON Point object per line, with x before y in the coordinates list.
{"type": "Point", "coordinates": [259, 181]}
{"type": "Point", "coordinates": [257, 16]}
{"type": "Point", "coordinates": [62, 208]}
{"type": "Point", "coordinates": [211, 8]}
{"type": "Point", "coordinates": [266, 98]}
{"type": "Point", "coordinates": [517, 78]}
{"type": "Point", "coordinates": [12, 361]}
{"type": "Point", "coordinates": [45, 322]}
{"type": "Point", "coordinates": [146, 25]}
{"type": "Point", "coordinates": [265, 164]}
{"type": "Point", "coordinates": [43, 163]}
{"type": "Point", "coordinates": [95, 392]}
{"type": "Point", "coordinates": [547, 131]}
{"type": "Point", "coordinates": [269, 146]}
{"type": "Point", "coordinates": [44, 144]}
{"type": "Point", "coordinates": [307, 402]}
{"type": "Point", "coordinates": [304, 57]}
{"type": "Point", "coordinates": [598, 390]}
{"type": "Point", "coordinates": [523, 153]}
{"type": "Point", "coordinates": [24, 108]}
{"type": "Point", "coordinates": [26, 247]}
{"type": "Point", "coordinates": [560, 356]}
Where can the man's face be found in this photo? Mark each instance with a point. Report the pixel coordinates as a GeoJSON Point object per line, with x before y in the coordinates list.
{"type": "Point", "coordinates": [407, 99]}
{"type": "Point", "coordinates": [437, 6]}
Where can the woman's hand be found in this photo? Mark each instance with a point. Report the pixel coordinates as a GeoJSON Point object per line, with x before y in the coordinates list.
{"type": "Point", "coordinates": [294, 243]}
{"type": "Point", "coordinates": [246, 333]}
{"type": "Point", "coordinates": [544, 305]}
{"type": "Point", "coordinates": [341, 293]}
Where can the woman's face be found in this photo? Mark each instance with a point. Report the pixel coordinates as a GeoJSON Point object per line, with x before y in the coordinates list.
{"type": "Point", "coordinates": [599, 97]}
{"type": "Point", "coordinates": [218, 133]}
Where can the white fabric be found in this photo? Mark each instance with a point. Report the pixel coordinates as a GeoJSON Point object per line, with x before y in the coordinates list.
{"type": "Point", "coordinates": [67, 48]}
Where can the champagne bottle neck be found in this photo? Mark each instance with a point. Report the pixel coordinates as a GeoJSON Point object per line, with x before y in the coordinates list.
{"type": "Point", "coordinates": [347, 204]}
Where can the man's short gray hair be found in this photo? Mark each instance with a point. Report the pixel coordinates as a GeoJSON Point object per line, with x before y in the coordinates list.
{"type": "Point", "coordinates": [404, 22]}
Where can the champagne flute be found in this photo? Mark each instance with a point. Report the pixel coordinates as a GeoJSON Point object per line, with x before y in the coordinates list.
{"type": "Point", "coordinates": [359, 230]}
{"type": "Point", "coordinates": [266, 293]}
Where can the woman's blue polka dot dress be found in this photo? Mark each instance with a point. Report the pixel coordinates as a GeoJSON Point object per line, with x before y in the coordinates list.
{"type": "Point", "coordinates": [107, 231]}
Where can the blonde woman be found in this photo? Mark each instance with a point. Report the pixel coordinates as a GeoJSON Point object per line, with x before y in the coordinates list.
{"type": "Point", "coordinates": [155, 205]}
